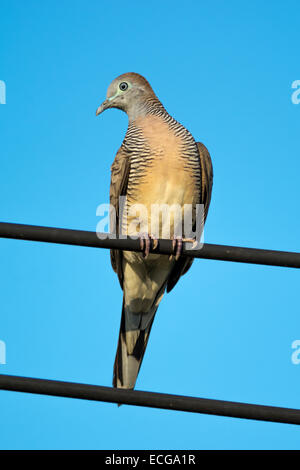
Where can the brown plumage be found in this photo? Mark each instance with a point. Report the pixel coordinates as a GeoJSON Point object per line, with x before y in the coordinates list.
{"type": "Point", "coordinates": [159, 162]}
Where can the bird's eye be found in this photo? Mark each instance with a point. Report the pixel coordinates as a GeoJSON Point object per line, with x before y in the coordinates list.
{"type": "Point", "coordinates": [123, 86]}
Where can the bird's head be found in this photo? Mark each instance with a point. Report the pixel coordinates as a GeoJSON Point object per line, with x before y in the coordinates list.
{"type": "Point", "coordinates": [128, 92]}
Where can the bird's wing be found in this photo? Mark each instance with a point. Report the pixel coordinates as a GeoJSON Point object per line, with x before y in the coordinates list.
{"type": "Point", "coordinates": [184, 263]}
{"type": "Point", "coordinates": [118, 187]}
{"type": "Point", "coordinates": [207, 177]}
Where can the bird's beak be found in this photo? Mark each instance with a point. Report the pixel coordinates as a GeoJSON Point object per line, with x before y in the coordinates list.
{"type": "Point", "coordinates": [106, 104]}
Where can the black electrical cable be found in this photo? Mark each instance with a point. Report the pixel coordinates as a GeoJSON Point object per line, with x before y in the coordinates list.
{"type": "Point", "coordinates": [149, 399]}
{"type": "Point", "coordinates": [91, 239]}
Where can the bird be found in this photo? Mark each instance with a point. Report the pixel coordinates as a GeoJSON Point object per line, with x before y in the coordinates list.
{"type": "Point", "coordinates": [158, 162]}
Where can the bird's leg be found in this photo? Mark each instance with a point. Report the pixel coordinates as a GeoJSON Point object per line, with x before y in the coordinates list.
{"type": "Point", "coordinates": [145, 241]}
{"type": "Point", "coordinates": [191, 240]}
{"type": "Point", "coordinates": [154, 242]}
{"type": "Point", "coordinates": [144, 244]}
{"type": "Point", "coordinates": [177, 244]}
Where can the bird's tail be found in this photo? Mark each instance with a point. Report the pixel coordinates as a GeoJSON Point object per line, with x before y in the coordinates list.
{"type": "Point", "coordinates": [133, 338]}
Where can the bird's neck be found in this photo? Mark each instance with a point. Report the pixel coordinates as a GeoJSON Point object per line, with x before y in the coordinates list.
{"type": "Point", "coordinates": [151, 105]}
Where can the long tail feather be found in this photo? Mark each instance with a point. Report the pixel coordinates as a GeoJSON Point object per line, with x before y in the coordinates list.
{"type": "Point", "coordinates": [131, 349]}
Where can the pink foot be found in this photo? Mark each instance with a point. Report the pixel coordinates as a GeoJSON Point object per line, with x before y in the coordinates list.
{"type": "Point", "coordinates": [145, 242]}
{"type": "Point", "coordinates": [177, 243]}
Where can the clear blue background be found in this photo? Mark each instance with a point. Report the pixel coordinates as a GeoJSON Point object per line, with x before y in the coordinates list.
{"type": "Point", "coordinates": [224, 69]}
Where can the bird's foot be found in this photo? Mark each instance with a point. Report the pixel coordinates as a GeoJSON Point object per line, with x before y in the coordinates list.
{"type": "Point", "coordinates": [191, 240]}
{"type": "Point", "coordinates": [177, 244]}
{"type": "Point", "coordinates": [145, 243]}
{"type": "Point", "coordinates": [176, 247]}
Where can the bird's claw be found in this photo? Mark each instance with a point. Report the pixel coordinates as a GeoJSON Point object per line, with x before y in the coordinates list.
{"type": "Point", "coordinates": [177, 244]}
{"type": "Point", "coordinates": [191, 240]}
{"type": "Point", "coordinates": [145, 243]}
{"type": "Point", "coordinates": [176, 247]}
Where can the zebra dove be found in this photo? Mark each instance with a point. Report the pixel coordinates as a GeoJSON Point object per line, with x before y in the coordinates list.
{"type": "Point", "coordinates": [158, 163]}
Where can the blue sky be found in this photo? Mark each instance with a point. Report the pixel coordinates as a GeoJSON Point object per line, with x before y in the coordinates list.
{"type": "Point", "coordinates": [224, 70]}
